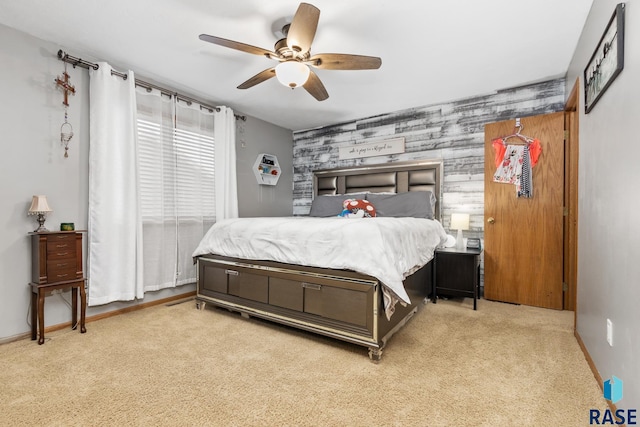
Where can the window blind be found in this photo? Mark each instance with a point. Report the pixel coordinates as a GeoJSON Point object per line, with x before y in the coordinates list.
{"type": "Point", "coordinates": [194, 178]}
{"type": "Point", "coordinates": [177, 186]}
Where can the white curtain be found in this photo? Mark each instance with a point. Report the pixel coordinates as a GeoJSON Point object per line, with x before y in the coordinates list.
{"type": "Point", "coordinates": [226, 182]}
{"type": "Point", "coordinates": [157, 171]}
{"type": "Point", "coordinates": [176, 152]}
{"type": "Point", "coordinates": [195, 177]}
{"type": "Point", "coordinates": [161, 172]}
{"type": "Point", "coordinates": [115, 235]}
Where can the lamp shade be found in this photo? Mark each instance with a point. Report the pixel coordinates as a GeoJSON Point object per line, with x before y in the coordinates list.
{"type": "Point", "coordinates": [39, 205]}
{"type": "Point", "coordinates": [292, 73]}
{"type": "Point", "coordinates": [459, 221]}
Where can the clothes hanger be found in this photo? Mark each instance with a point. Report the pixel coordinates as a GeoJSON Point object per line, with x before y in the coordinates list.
{"type": "Point", "coordinates": [516, 134]}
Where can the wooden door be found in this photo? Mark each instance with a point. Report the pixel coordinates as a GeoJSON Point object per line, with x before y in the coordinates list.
{"type": "Point", "coordinates": [523, 256]}
{"type": "Point", "coordinates": [571, 119]}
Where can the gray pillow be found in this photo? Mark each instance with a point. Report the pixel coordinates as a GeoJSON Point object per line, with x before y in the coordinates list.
{"type": "Point", "coordinates": [325, 206]}
{"type": "Point", "coordinates": [416, 204]}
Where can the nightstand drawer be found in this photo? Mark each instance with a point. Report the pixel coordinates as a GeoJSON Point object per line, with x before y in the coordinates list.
{"type": "Point", "coordinates": [61, 254]}
{"type": "Point", "coordinates": [61, 246]}
{"type": "Point", "coordinates": [58, 265]}
{"type": "Point", "coordinates": [456, 272]}
{"type": "Point", "coordinates": [61, 275]}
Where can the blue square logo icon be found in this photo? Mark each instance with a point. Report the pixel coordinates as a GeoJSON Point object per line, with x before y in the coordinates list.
{"type": "Point", "coordinates": [613, 389]}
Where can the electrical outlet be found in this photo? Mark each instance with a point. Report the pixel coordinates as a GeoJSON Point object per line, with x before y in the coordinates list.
{"type": "Point", "coordinates": [610, 332]}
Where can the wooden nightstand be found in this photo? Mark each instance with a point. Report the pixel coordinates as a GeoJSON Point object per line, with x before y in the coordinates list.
{"type": "Point", "coordinates": [56, 264]}
{"type": "Point", "coordinates": [456, 272]}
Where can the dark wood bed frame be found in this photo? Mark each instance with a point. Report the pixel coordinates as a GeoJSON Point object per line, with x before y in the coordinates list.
{"type": "Point", "coordinates": [337, 303]}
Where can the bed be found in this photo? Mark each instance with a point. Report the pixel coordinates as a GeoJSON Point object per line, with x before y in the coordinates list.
{"type": "Point", "coordinates": [355, 279]}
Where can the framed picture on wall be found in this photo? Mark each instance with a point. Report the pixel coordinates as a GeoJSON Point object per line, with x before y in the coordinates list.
{"type": "Point", "coordinates": [607, 60]}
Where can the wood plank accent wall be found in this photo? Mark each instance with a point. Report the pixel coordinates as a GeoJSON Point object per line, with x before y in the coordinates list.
{"type": "Point", "coordinates": [453, 132]}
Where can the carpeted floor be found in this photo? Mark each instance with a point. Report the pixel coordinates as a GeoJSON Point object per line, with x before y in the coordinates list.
{"type": "Point", "coordinates": [503, 365]}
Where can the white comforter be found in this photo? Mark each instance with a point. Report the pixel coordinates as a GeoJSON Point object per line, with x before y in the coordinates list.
{"type": "Point", "coordinates": [388, 249]}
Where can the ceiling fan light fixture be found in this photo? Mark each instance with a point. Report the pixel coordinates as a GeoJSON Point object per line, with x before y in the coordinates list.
{"type": "Point", "coordinates": [292, 73]}
{"type": "Point", "coordinates": [293, 51]}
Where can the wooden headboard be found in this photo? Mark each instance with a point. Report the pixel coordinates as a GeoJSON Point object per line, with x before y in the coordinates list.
{"type": "Point", "coordinates": [398, 177]}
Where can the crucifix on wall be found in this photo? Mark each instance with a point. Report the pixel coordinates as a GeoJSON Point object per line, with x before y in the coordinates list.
{"type": "Point", "coordinates": [66, 130]}
{"type": "Point", "coordinates": [66, 87]}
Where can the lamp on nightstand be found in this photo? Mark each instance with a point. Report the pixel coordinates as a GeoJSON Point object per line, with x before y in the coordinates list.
{"type": "Point", "coordinates": [459, 221]}
{"type": "Point", "coordinates": [40, 207]}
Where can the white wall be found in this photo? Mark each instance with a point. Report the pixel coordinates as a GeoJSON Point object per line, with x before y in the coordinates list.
{"type": "Point", "coordinates": [254, 137]}
{"type": "Point", "coordinates": [32, 162]}
{"type": "Point", "coordinates": [608, 224]}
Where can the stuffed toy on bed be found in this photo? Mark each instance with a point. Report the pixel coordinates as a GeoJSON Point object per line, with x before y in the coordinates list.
{"type": "Point", "coordinates": [357, 208]}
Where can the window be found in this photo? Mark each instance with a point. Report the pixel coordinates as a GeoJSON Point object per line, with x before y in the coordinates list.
{"type": "Point", "coordinates": [177, 185]}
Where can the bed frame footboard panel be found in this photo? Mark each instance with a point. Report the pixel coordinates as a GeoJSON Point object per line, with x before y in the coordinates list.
{"type": "Point", "coordinates": [336, 303]}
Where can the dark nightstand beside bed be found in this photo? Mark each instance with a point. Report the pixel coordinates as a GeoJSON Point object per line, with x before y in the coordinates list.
{"type": "Point", "coordinates": [456, 272]}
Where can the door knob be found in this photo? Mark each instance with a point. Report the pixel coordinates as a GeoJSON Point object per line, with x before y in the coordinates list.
{"type": "Point", "coordinates": [491, 220]}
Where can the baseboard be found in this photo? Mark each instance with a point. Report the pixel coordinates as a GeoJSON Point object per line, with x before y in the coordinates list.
{"type": "Point", "coordinates": [13, 338]}
{"type": "Point", "coordinates": [128, 309]}
{"type": "Point", "coordinates": [594, 370]}
{"type": "Point", "coordinates": [103, 315]}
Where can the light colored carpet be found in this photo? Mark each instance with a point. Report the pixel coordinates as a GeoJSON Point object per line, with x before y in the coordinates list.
{"type": "Point", "coordinates": [503, 365]}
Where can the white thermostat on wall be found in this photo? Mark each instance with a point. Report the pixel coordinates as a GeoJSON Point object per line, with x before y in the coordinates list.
{"type": "Point", "coordinates": [267, 169]}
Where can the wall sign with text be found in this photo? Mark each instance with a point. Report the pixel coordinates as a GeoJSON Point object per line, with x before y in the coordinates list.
{"type": "Point", "coordinates": [378, 148]}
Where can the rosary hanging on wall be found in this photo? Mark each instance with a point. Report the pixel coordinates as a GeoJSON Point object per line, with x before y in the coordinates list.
{"type": "Point", "coordinates": [66, 133]}
{"type": "Point", "coordinates": [66, 130]}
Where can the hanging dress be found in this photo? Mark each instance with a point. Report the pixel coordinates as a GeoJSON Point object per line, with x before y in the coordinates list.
{"type": "Point", "coordinates": [514, 164]}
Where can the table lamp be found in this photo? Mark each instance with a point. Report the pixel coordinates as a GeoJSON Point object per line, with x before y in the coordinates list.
{"type": "Point", "coordinates": [459, 221]}
{"type": "Point", "coordinates": [40, 207]}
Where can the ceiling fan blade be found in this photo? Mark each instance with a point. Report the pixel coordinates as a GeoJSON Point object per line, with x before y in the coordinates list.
{"type": "Point", "coordinates": [315, 87]}
{"type": "Point", "coordinates": [238, 46]}
{"type": "Point", "coordinates": [342, 61]}
{"type": "Point", "coordinates": [303, 28]}
{"type": "Point", "coordinates": [258, 78]}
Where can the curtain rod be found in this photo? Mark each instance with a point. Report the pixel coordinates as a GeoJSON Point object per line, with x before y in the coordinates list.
{"type": "Point", "coordinates": [64, 57]}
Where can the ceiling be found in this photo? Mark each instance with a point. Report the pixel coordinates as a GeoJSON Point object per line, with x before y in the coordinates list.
{"type": "Point", "coordinates": [432, 51]}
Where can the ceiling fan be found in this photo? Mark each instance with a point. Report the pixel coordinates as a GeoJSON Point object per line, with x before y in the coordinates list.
{"type": "Point", "coordinates": [294, 54]}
